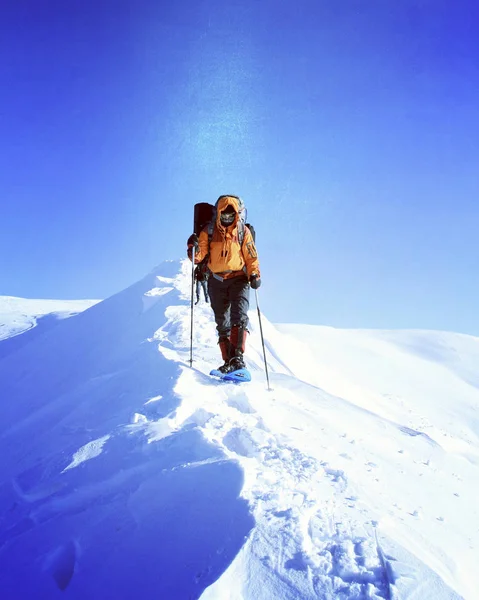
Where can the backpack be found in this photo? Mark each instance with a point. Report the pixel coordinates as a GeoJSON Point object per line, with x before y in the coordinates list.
{"type": "Point", "coordinates": [203, 216]}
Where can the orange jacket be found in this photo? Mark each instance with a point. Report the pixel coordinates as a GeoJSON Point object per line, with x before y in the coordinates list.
{"type": "Point", "coordinates": [226, 257]}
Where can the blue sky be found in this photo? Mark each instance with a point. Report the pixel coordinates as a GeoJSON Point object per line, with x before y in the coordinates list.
{"type": "Point", "coordinates": [350, 129]}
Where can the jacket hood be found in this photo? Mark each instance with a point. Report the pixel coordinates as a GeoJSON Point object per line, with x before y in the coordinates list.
{"type": "Point", "coordinates": [222, 203]}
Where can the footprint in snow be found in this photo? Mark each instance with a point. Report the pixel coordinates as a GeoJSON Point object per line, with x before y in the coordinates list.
{"type": "Point", "coordinates": [60, 563]}
{"type": "Point", "coordinates": [239, 441]}
{"type": "Point", "coordinates": [351, 568]}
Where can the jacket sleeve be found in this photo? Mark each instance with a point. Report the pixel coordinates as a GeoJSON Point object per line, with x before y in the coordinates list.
{"type": "Point", "coordinates": [250, 255]}
{"type": "Point", "coordinates": [203, 247]}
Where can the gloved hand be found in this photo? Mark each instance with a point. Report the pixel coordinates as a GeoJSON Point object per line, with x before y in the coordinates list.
{"type": "Point", "coordinates": [193, 242]}
{"type": "Point", "coordinates": [255, 281]}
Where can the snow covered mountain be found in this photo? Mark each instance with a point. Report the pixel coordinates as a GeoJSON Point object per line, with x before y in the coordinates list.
{"type": "Point", "coordinates": [18, 315]}
{"type": "Point", "coordinates": [127, 474]}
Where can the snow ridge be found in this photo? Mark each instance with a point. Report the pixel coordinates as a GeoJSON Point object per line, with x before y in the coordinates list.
{"type": "Point", "coordinates": [349, 480]}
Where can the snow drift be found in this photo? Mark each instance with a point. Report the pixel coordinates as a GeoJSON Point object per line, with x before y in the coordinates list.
{"type": "Point", "coordinates": [125, 473]}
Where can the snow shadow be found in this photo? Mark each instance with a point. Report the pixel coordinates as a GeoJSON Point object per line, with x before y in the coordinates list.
{"type": "Point", "coordinates": [164, 520]}
{"type": "Point", "coordinates": [14, 343]}
{"type": "Point", "coordinates": [89, 508]}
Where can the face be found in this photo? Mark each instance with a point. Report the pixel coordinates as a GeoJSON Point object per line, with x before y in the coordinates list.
{"type": "Point", "coordinates": [227, 218]}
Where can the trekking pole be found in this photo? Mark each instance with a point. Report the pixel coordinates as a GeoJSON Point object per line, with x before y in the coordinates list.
{"type": "Point", "coordinates": [262, 339]}
{"type": "Point", "coordinates": [192, 294]}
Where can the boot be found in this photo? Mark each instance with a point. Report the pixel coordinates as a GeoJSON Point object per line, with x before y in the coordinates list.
{"type": "Point", "coordinates": [238, 343]}
{"type": "Point", "coordinates": [226, 353]}
{"type": "Point", "coordinates": [237, 362]}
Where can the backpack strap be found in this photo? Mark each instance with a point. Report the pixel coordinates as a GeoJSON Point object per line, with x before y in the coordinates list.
{"type": "Point", "coordinates": [211, 227]}
{"type": "Point", "coordinates": [241, 231]}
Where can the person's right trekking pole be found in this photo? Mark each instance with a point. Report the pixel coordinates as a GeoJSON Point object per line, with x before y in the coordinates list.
{"type": "Point", "coordinates": [192, 293]}
{"type": "Point", "coordinates": [262, 339]}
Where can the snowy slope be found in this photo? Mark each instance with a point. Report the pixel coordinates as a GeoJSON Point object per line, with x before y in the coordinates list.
{"type": "Point", "coordinates": [21, 314]}
{"type": "Point", "coordinates": [127, 474]}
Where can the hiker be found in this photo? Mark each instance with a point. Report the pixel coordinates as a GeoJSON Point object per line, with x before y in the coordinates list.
{"type": "Point", "coordinates": [201, 278]}
{"type": "Point", "coordinates": [234, 267]}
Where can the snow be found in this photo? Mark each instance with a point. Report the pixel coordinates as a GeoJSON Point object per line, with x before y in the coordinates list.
{"type": "Point", "coordinates": [126, 473]}
{"type": "Point", "coordinates": [21, 314]}
{"type": "Point", "coordinates": [87, 452]}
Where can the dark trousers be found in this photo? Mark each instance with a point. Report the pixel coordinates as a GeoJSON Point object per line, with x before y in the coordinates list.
{"type": "Point", "coordinates": [230, 302]}
{"type": "Point", "coordinates": [201, 284]}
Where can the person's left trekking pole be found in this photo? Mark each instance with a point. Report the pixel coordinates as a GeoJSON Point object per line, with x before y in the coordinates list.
{"type": "Point", "coordinates": [262, 339]}
{"type": "Point", "coordinates": [192, 304]}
